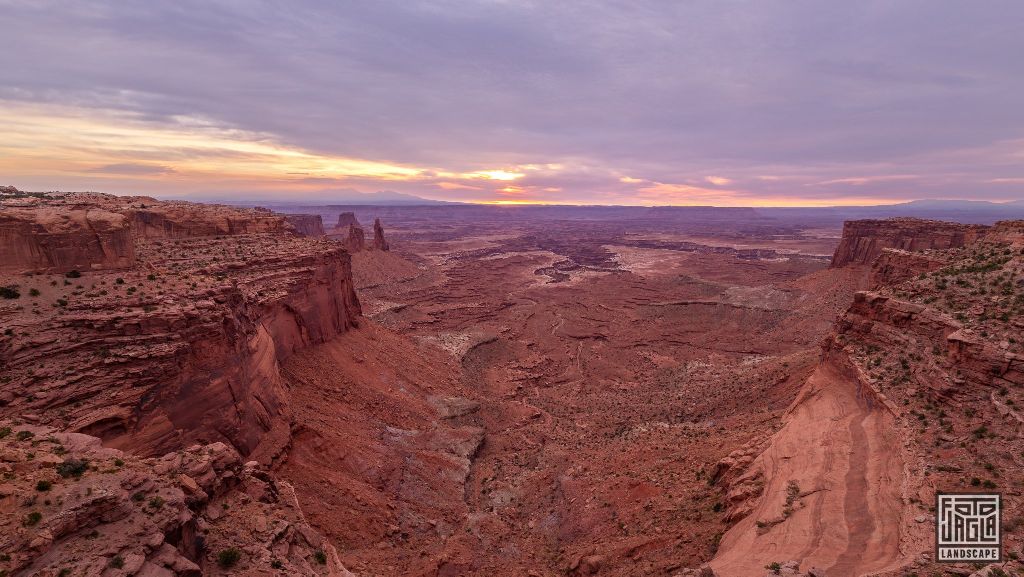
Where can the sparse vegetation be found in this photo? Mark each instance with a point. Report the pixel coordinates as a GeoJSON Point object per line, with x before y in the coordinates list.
{"type": "Point", "coordinates": [229, 557]}
{"type": "Point", "coordinates": [72, 468]}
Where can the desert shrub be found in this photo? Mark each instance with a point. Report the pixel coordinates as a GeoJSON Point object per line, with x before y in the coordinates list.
{"type": "Point", "coordinates": [32, 519]}
{"type": "Point", "coordinates": [72, 468]}
{"type": "Point", "coordinates": [9, 292]}
{"type": "Point", "coordinates": [73, 274]}
{"type": "Point", "coordinates": [276, 564]}
{"type": "Point", "coordinates": [33, 292]}
{"type": "Point", "coordinates": [24, 435]}
{"type": "Point", "coordinates": [5, 431]}
{"type": "Point", "coordinates": [44, 485]}
{"type": "Point", "coordinates": [117, 562]}
{"type": "Point", "coordinates": [320, 557]}
{"type": "Point", "coordinates": [229, 557]}
{"type": "Point", "coordinates": [775, 567]}
{"type": "Point", "coordinates": [156, 502]}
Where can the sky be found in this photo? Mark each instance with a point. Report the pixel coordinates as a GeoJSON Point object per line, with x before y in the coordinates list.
{"type": "Point", "coordinates": [649, 102]}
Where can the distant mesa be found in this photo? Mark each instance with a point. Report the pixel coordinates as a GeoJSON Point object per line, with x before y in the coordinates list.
{"type": "Point", "coordinates": [347, 218]}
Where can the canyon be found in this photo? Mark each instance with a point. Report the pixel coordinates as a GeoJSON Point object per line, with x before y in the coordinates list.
{"type": "Point", "coordinates": [195, 389]}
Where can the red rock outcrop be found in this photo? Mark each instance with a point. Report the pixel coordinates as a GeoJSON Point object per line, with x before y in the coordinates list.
{"type": "Point", "coordinates": [347, 219]}
{"type": "Point", "coordinates": [379, 242]}
{"type": "Point", "coordinates": [48, 240]}
{"type": "Point", "coordinates": [306, 224]}
{"type": "Point", "coordinates": [894, 266]}
{"type": "Point", "coordinates": [920, 378]}
{"type": "Point", "coordinates": [864, 240]}
{"type": "Point", "coordinates": [1007, 231]}
{"type": "Point", "coordinates": [202, 360]}
{"type": "Point", "coordinates": [69, 506]}
{"type": "Point", "coordinates": [196, 328]}
{"type": "Point", "coordinates": [356, 239]}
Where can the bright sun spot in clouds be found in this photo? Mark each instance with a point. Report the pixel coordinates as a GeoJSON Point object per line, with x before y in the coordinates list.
{"type": "Point", "coordinates": [718, 180]}
{"type": "Point", "coordinates": [497, 174]}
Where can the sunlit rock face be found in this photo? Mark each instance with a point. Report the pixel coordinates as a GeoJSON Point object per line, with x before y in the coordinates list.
{"type": "Point", "coordinates": [864, 240]}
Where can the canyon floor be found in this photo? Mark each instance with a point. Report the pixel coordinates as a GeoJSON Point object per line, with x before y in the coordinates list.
{"type": "Point", "coordinates": [210, 390]}
{"type": "Point", "coordinates": [607, 371]}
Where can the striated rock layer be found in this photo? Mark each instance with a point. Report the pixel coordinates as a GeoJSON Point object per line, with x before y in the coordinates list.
{"type": "Point", "coordinates": [864, 240]}
{"type": "Point", "coordinates": [45, 240]}
{"type": "Point", "coordinates": [184, 347]}
{"type": "Point", "coordinates": [90, 231]}
{"type": "Point", "coordinates": [916, 392]}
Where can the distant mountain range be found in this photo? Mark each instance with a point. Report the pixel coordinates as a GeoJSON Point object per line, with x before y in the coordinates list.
{"type": "Point", "coordinates": [967, 211]}
{"type": "Point", "coordinates": [338, 197]}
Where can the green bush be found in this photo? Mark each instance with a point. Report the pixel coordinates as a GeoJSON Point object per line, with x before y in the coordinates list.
{"type": "Point", "coordinates": [72, 468]}
{"type": "Point", "coordinates": [229, 557]}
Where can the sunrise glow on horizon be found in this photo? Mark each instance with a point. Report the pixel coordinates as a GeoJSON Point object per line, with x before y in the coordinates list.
{"type": "Point", "coordinates": [564, 109]}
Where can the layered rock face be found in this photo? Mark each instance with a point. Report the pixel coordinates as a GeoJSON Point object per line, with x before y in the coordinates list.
{"type": "Point", "coordinates": [379, 242]}
{"type": "Point", "coordinates": [306, 224]}
{"type": "Point", "coordinates": [69, 506]}
{"type": "Point", "coordinates": [864, 240]}
{"type": "Point", "coordinates": [47, 240]}
{"type": "Point", "coordinates": [177, 351]}
{"type": "Point", "coordinates": [182, 348]}
{"type": "Point", "coordinates": [91, 231]}
{"type": "Point", "coordinates": [916, 392]}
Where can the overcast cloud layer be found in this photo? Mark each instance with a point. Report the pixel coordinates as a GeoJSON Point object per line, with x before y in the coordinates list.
{"type": "Point", "coordinates": [653, 102]}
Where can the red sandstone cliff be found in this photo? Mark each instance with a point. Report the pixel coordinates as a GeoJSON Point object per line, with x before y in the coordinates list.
{"type": "Point", "coordinates": [356, 239]}
{"type": "Point", "coordinates": [182, 348]}
{"type": "Point", "coordinates": [306, 224]}
{"type": "Point", "coordinates": [919, 378]}
{"type": "Point", "coordinates": [50, 240]}
{"type": "Point", "coordinates": [864, 240]}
